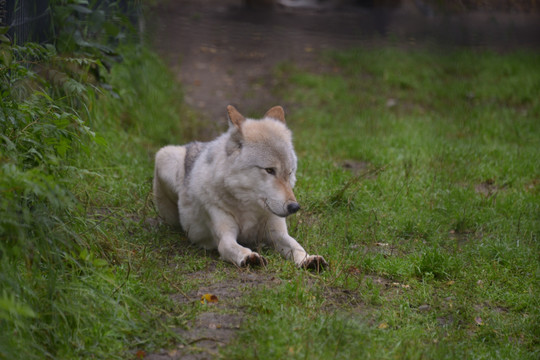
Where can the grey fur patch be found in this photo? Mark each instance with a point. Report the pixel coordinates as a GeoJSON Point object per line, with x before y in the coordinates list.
{"type": "Point", "coordinates": [193, 151]}
{"type": "Point", "coordinates": [234, 143]}
{"type": "Point", "coordinates": [210, 157]}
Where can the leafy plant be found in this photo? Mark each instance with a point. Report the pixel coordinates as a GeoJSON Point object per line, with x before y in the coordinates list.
{"type": "Point", "coordinates": [93, 29]}
{"type": "Point", "coordinates": [55, 288]}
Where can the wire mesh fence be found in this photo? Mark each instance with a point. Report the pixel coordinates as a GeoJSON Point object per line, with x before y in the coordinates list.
{"type": "Point", "coordinates": [27, 20]}
{"type": "Point", "coordinates": [32, 20]}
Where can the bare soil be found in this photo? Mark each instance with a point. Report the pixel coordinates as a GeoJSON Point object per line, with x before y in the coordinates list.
{"type": "Point", "coordinates": [217, 322]}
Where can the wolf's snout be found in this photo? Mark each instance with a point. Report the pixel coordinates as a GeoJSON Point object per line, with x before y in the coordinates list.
{"type": "Point", "coordinates": [293, 207]}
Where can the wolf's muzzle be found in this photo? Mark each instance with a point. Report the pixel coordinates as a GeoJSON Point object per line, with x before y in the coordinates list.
{"type": "Point", "coordinates": [293, 207]}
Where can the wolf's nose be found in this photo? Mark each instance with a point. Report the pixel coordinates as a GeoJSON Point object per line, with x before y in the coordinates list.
{"type": "Point", "coordinates": [293, 207]}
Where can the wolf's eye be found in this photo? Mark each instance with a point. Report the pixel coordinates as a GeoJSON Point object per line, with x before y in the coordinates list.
{"type": "Point", "coordinates": [270, 171]}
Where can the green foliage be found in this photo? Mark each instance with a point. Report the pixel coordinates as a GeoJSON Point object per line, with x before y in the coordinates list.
{"type": "Point", "coordinates": [93, 28]}
{"type": "Point", "coordinates": [38, 133]}
{"type": "Point", "coordinates": [144, 99]}
{"type": "Point", "coordinates": [60, 296]}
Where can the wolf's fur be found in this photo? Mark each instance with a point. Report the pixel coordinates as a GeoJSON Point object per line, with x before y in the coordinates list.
{"type": "Point", "coordinates": [234, 191]}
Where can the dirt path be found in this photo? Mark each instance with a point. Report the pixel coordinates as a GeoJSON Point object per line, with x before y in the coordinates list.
{"type": "Point", "coordinates": [217, 322]}
{"type": "Point", "coordinates": [224, 54]}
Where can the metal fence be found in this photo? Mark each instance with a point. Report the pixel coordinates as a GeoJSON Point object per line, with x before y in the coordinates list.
{"type": "Point", "coordinates": [31, 20]}
{"type": "Point", "coordinates": [28, 20]}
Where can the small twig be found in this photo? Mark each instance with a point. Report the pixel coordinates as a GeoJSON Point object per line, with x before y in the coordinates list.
{"type": "Point", "coordinates": [27, 126]}
{"type": "Point", "coordinates": [338, 272]}
{"type": "Point", "coordinates": [102, 220]}
{"type": "Point", "coordinates": [146, 205]}
{"type": "Point", "coordinates": [353, 182]}
{"type": "Point", "coordinates": [125, 281]}
{"type": "Point", "coordinates": [205, 339]}
{"type": "Point", "coordinates": [174, 286]}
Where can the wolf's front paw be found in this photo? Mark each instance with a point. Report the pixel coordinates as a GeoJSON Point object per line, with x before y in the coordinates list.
{"type": "Point", "coordinates": [254, 260]}
{"type": "Point", "coordinates": [314, 262]}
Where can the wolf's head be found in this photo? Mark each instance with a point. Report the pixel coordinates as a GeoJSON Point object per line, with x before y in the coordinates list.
{"type": "Point", "coordinates": [263, 170]}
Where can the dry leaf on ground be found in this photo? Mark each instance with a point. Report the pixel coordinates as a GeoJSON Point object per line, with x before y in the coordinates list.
{"type": "Point", "coordinates": [209, 298]}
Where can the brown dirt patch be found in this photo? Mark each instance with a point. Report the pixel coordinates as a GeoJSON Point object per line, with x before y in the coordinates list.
{"type": "Point", "coordinates": [488, 188]}
{"type": "Point", "coordinates": [216, 323]}
{"type": "Point", "coordinates": [359, 167]}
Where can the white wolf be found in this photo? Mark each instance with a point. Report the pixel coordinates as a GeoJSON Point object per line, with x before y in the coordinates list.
{"type": "Point", "coordinates": [236, 189]}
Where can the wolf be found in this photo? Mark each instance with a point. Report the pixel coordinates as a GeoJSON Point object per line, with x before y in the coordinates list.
{"type": "Point", "coordinates": [234, 193]}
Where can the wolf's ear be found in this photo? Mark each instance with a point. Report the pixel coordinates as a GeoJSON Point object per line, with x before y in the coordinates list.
{"type": "Point", "coordinates": [235, 117]}
{"type": "Point", "coordinates": [276, 113]}
{"type": "Point", "coordinates": [235, 141]}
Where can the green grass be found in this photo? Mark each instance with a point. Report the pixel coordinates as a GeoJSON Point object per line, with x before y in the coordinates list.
{"type": "Point", "coordinates": [116, 200]}
{"type": "Point", "coordinates": [433, 242]}
{"type": "Point", "coordinates": [446, 217]}
{"type": "Point", "coordinates": [82, 275]}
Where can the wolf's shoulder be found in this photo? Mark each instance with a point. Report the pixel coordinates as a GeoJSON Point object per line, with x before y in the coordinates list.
{"type": "Point", "coordinates": [193, 151]}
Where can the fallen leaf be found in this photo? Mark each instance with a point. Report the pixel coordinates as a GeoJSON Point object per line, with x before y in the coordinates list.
{"type": "Point", "coordinates": [383, 326]}
{"type": "Point", "coordinates": [209, 298]}
{"type": "Point", "coordinates": [478, 321]}
{"type": "Point", "coordinates": [140, 354]}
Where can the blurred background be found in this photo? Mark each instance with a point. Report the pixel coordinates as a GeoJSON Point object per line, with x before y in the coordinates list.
{"type": "Point", "coordinates": [224, 51]}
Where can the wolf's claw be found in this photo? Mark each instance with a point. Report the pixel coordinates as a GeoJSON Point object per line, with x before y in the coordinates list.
{"type": "Point", "coordinates": [254, 260]}
{"type": "Point", "coordinates": [315, 262]}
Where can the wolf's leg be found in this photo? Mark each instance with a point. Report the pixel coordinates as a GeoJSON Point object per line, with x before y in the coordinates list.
{"type": "Point", "coordinates": [225, 232]}
{"type": "Point", "coordinates": [232, 252]}
{"type": "Point", "coordinates": [167, 209]}
{"type": "Point", "coordinates": [168, 173]}
{"type": "Point", "coordinates": [289, 248]}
